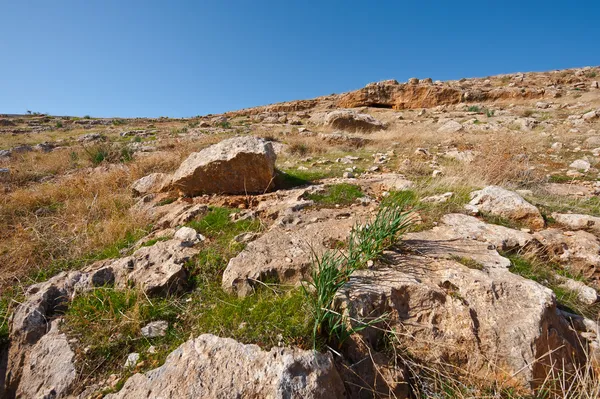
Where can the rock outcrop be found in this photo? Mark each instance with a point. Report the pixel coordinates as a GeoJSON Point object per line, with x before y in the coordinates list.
{"type": "Point", "coordinates": [391, 94]}
{"type": "Point", "coordinates": [351, 121]}
{"type": "Point", "coordinates": [239, 165]}
{"type": "Point", "coordinates": [157, 269]}
{"type": "Point", "coordinates": [213, 367]}
{"type": "Point", "coordinates": [488, 322]}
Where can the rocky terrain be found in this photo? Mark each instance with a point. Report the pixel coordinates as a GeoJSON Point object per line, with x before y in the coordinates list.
{"type": "Point", "coordinates": [423, 239]}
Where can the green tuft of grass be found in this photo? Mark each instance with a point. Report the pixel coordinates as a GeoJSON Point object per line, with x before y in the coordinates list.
{"type": "Point", "coordinates": [474, 108]}
{"type": "Point", "coordinates": [100, 153]}
{"type": "Point", "coordinates": [333, 269]}
{"type": "Point", "coordinates": [336, 194]}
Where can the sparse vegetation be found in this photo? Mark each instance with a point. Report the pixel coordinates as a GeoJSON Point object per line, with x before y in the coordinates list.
{"type": "Point", "coordinates": [342, 194]}
{"type": "Point", "coordinates": [546, 273]}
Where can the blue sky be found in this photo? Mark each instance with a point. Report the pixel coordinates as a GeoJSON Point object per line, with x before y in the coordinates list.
{"type": "Point", "coordinates": [183, 58]}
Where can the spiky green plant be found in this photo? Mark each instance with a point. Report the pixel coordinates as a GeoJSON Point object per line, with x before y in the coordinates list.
{"type": "Point", "coordinates": [332, 270]}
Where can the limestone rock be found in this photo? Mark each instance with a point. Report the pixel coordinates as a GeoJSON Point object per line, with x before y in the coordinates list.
{"type": "Point", "coordinates": [50, 367]}
{"type": "Point", "coordinates": [441, 309]}
{"type": "Point", "coordinates": [351, 121]}
{"type": "Point", "coordinates": [580, 164]}
{"type": "Point", "coordinates": [238, 165]}
{"type": "Point", "coordinates": [213, 367]}
{"type": "Point", "coordinates": [152, 183]}
{"type": "Point", "coordinates": [285, 254]}
{"type": "Point", "coordinates": [155, 329]}
{"type": "Point", "coordinates": [450, 127]}
{"type": "Point", "coordinates": [574, 221]}
{"type": "Point", "coordinates": [507, 204]}
{"type": "Point", "coordinates": [577, 249]}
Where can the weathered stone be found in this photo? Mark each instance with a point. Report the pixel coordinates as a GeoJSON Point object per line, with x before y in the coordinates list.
{"type": "Point", "coordinates": [155, 329]}
{"type": "Point", "coordinates": [580, 164]}
{"type": "Point", "coordinates": [188, 236]}
{"type": "Point", "coordinates": [213, 367]}
{"type": "Point", "coordinates": [507, 204]}
{"type": "Point", "coordinates": [352, 121]}
{"type": "Point", "coordinates": [49, 369]}
{"type": "Point", "coordinates": [152, 183]}
{"type": "Point", "coordinates": [238, 165]}
{"type": "Point", "coordinates": [574, 221]}
{"type": "Point", "coordinates": [450, 127]}
{"type": "Point", "coordinates": [578, 250]}
{"type": "Point", "coordinates": [585, 294]}
{"type": "Point", "coordinates": [30, 321]}
{"type": "Point", "coordinates": [286, 254]}
{"type": "Point", "coordinates": [590, 116]}
{"type": "Point", "coordinates": [132, 360]}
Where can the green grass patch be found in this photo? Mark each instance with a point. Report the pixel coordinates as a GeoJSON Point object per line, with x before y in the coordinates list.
{"type": "Point", "coordinates": [430, 212]}
{"type": "Point", "coordinates": [100, 153]}
{"type": "Point", "coordinates": [291, 178]}
{"type": "Point", "coordinates": [337, 194]}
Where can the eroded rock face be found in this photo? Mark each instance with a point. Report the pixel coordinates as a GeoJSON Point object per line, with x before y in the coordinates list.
{"type": "Point", "coordinates": [498, 201]}
{"type": "Point", "coordinates": [351, 121]}
{"type": "Point", "coordinates": [50, 368]}
{"type": "Point", "coordinates": [391, 94]}
{"type": "Point", "coordinates": [486, 321]}
{"type": "Point", "coordinates": [238, 165]}
{"type": "Point", "coordinates": [213, 367]}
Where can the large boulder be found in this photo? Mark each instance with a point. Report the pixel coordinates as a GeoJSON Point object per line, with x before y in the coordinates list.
{"type": "Point", "coordinates": [237, 165]}
{"type": "Point", "coordinates": [351, 121]}
{"type": "Point", "coordinates": [498, 201]}
{"type": "Point", "coordinates": [213, 367]}
{"type": "Point", "coordinates": [489, 322]}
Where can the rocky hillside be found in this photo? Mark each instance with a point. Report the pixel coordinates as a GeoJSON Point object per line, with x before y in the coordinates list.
{"type": "Point", "coordinates": [424, 239]}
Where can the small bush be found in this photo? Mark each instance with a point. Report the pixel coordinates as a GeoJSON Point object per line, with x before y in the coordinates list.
{"type": "Point", "coordinates": [474, 108]}
{"type": "Point", "coordinates": [118, 122]}
{"type": "Point", "coordinates": [105, 152]}
{"type": "Point", "coordinates": [59, 124]}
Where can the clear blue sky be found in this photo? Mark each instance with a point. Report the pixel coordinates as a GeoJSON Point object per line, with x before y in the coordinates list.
{"type": "Point", "coordinates": [183, 58]}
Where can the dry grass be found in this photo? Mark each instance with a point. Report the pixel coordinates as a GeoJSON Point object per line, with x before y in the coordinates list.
{"type": "Point", "coordinates": [70, 217]}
